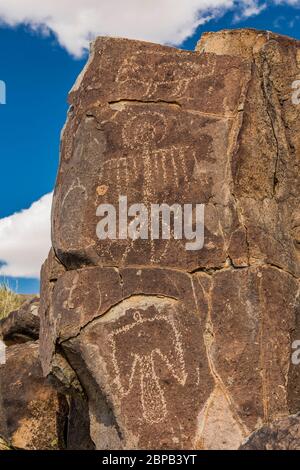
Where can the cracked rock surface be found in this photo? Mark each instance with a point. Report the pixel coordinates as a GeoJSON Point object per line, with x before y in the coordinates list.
{"type": "Point", "coordinates": [282, 434]}
{"type": "Point", "coordinates": [37, 413]}
{"type": "Point", "coordinates": [179, 349]}
{"type": "Point", "coordinates": [32, 412]}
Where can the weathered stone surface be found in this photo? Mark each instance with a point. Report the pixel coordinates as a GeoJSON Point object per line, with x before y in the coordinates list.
{"type": "Point", "coordinates": [23, 324]}
{"type": "Point", "coordinates": [265, 158]}
{"type": "Point", "coordinates": [155, 124]}
{"type": "Point", "coordinates": [38, 413]}
{"type": "Point", "coordinates": [51, 271]}
{"type": "Point", "coordinates": [32, 413]}
{"type": "Point", "coordinates": [76, 428]}
{"type": "Point", "coordinates": [149, 344]}
{"type": "Point", "coordinates": [282, 434]}
{"type": "Point", "coordinates": [176, 348]}
{"type": "Point", "coordinates": [250, 343]}
{"type": "Point", "coordinates": [148, 350]}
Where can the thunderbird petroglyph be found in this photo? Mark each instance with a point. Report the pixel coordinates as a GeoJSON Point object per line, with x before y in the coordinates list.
{"type": "Point", "coordinates": [178, 348]}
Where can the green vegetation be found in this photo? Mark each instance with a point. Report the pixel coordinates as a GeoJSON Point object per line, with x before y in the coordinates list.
{"type": "Point", "coordinates": [9, 300]}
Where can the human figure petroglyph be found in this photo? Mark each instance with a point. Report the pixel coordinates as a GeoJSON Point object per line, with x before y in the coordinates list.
{"type": "Point", "coordinates": [149, 124]}
{"type": "Point", "coordinates": [143, 360]}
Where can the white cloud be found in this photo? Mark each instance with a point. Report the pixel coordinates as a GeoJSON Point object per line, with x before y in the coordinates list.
{"type": "Point", "coordinates": [76, 22]}
{"type": "Point", "coordinates": [250, 8]}
{"type": "Point", "coordinates": [294, 3]}
{"type": "Point", "coordinates": [25, 236]}
{"type": "Point", "coordinates": [25, 240]}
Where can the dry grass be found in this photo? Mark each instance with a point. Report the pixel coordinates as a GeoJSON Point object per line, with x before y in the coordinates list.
{"type": "Point", "coordinates": [9, 300]}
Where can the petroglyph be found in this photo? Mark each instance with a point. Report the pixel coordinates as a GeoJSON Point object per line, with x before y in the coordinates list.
{"type": "Point", "coordinates": [176, 77]}
{"type": "Point", "coordinates": [149, 348]}
{"type": "Point", "coordinates": [75, 186]}
{"type": "Point", "coordinates": [144, 129]}
{"type": "Point", "coordinates": [177, 348]}
{"type": "Point", "coordinates": [121, 105]}
{"type": "Point", "coordinates": [168, 165]}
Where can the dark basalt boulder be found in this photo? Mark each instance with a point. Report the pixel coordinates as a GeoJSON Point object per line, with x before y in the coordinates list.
{"type": "Point", "coordinates": [23, 324]}
{"type": "Point", "coordinates": [283, 434]}
{"type": "Point", "coordinates": [37, 413]}
{"type": "Point", "coordinates": [179, 349]}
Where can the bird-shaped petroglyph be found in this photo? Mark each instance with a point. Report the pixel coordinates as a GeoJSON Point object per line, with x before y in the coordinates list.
{"type": "Point", "coordinates": [151, 340]}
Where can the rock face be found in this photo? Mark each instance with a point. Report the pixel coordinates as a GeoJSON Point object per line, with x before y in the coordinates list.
{"type": "Point", "coordinates": [36, 413]}
{"type": "Point", "coordinates": [23, 324]}
{"type": "Point", "coordinates": [283, 434]}
{"type": "Point", "coordinates": [33, 412]}
{"type": "Point", "coordinates": [176, 348]}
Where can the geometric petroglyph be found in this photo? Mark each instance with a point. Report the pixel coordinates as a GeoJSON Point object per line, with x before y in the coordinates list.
{"type": "Point", "coordinates": [75, 186]}
{"type": "Point", "coordinates": [144, 129]}
{"type": "Point", "coordinates": [168, 164]}
{"type": "Point", "coordinates": [151, 333]}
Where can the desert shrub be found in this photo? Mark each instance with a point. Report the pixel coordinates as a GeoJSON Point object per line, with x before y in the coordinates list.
{"type": "Point", "coordinates": [9, 300]}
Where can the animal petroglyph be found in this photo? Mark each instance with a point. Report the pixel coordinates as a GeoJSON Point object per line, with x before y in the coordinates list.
{"type": "Point", "coordinates": [167, 74]}
{"type": "Point", "coordinates": [141, 363]}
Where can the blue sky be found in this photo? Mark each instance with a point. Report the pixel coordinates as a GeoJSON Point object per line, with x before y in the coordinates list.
{"type": "Point", "coordinates": [38, 72]}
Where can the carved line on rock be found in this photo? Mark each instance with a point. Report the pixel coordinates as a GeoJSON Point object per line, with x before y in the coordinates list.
{"type": "Point", "coordinates": [151, 86]}
{"type": "Point", "coordinates": [209, 338]}
{"type": "Point", "coordinates": [153, 401]}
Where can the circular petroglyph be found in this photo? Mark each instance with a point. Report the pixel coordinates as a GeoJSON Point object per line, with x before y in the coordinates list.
{"type": "Point", "coordinates": [144, 129]}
